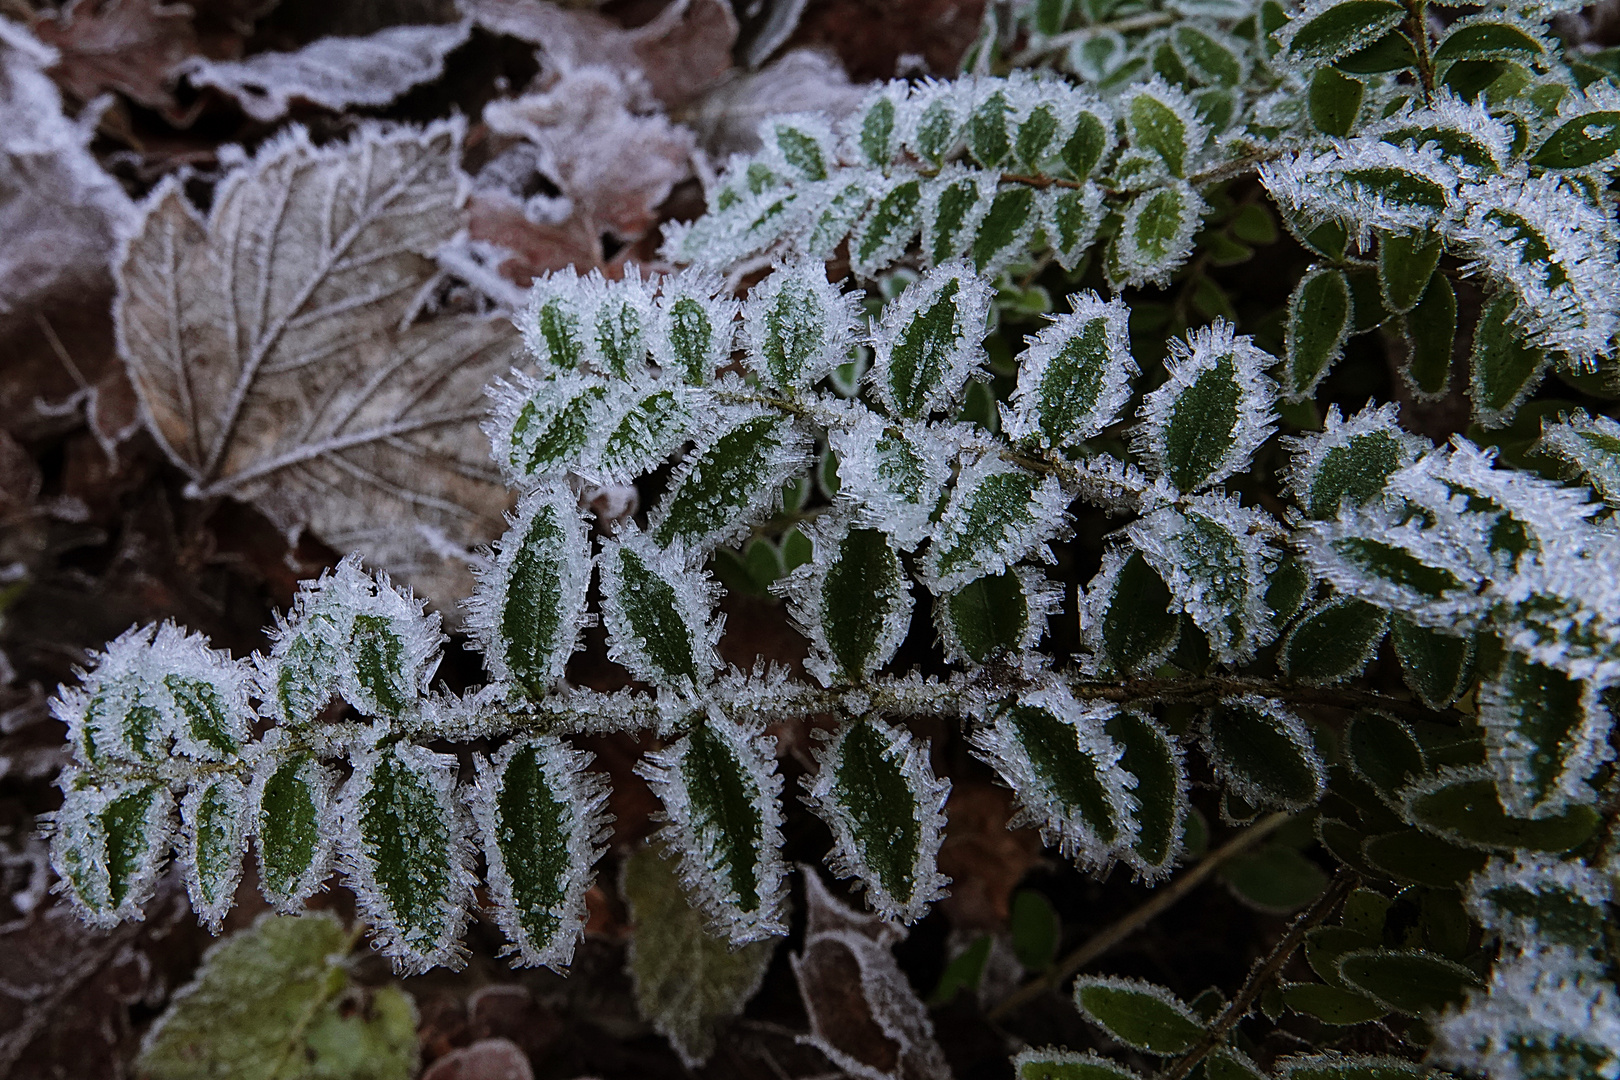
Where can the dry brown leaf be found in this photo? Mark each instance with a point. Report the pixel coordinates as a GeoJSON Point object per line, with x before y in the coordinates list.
{"type": "Point", "coordinates": [727, 119]}
{"type": "Point", "coordinates": [128, 45]}
{"type": "Point", "coordinates": [268, 348]}
{"type": "Point", "coordinates": [679, 54]}
{"type": "Point", "coordinates": [864, 1015]}
{"type": "Point", "coordinates": [59, 212]}
{"type": "Point", "coordinates": [983, 858]}
{"type": "Point", "coordinates": [335, 73]}
{"type": "Point", "coordinates": [535, 247]}
{"type": "Point", "coordinates": [614, 165]}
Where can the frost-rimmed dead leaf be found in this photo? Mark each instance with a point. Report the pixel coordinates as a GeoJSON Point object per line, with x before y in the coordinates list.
{"type": "Point", "coordinates": [270, 347]}
{"type": "Point", "coordinates": [683, 51]}
{"type": "Point", "coordinates": [127, 45]}
{"type": "Point", "coordinates": [864, 1015]}
{"type": "Point", "coordinates": [335, 73]}
{"type": "Point", "coordinates": [727, 119]}
{"type": "Point", "coordinates": [59, 211]}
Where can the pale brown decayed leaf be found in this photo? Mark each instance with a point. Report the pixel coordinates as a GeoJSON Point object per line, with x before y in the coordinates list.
{"type": "Point", "coordinates": [335, 73]}
{"type": "Point", "coordinates": [59, 212]}
{"type": "Point", "coordinates": [727, 118]}
{"type": "Point", "coordinates": [128, 45]}
{"type": "Point", "coordinates": [269, 348]}
{"type": "Point", "coordinates": [864, 1015]}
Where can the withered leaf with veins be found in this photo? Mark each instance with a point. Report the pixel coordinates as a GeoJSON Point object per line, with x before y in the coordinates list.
{"type": "Point", "coordinates": [272, 348]}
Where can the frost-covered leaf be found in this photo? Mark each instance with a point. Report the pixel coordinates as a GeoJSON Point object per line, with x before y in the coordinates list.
{"type": "Point", "coordinates": [888, 227]}
{"type": "Point", "coordinates": [1127, 619]}
{"type": "Point", "coordinates": [1214, 411]}
{"type": "Point", "coordinates": [1333, 641]}
{"type": "Point", "coordinates": [797, 326]}
{"type": "Point", "coordinates": [996, 616]}
{"type": "Point", "coordinates": [930, 341]}
{"type": "Point", "coordinates": [1319, 316]}
{"type": "Point", "coordinates": [1003, 234]}
{"type": "Point", "coordinates": [1365, 184]}
{"type": "Point", "coordinates": [1214, 567]}
{"type": "Point", "coordinates": [557, 320]}
{"type": "Point", "coordinates": [1383, 752]}
{"type": "Point", "coordinates": [336, 73]}
{"type": "Point", "coordinates": [542, 428]}
{"type": "Point", "coordinates": [1431, 332]}
{"type": "Point", "coordinates": [1156, 235]}
{"type": "Point", "coordinates": [1337, 1066]}
{"type": "Point", "coordinates": [1263, 752]}
{"type": "Point", "coordinates": [864, 1015]}
{"type": "Point", "coordinates": [265, 343]}
{"type": "Point", "coordinates": [1153, 758]}
{"type": "Point", "coordinates": [1142, 1015]}
{"type": "Point", "coordinates": [295, 826]}
{"type": "Point", "coordinates": [1535, 1019]}
{"type": "Point", "coordinates": [1350, 461]}
{"type": "Point", "coordinates": [693, 329]}
{"type": "Point", "coordinates": [1437, 667]}
{"type": "Point", "coordinates": [1159, 118]}
{"type": "Point", "coordinates": [1335, 101]}
{"type": "Point", "coordinates": [1405, 263]}
{"type": "Point", "coordinates": [1052, 1063]}
{"type": "Point", "coordinates": [109, 844]}
{"type": "Point", "coordinates": [878, 794]}
{"type": "Point", "coordinates": [157, 690]}
{"type": "Point", "coordinates": [852, 600]}
{"type": "Point", "coordinates": [954, 205]}
{"type": "Point", "coordinates": [1461, 806]}
{"type": "Point", "coordinates": [1074, 377]}
{"type": "Point", "coordinates": [894, 472]}
{"type": "Point", "coordinates": [1546, 736]}
{"type": "Point", "coordinates": [132, 46]}
{"type": "Point", "coordinates": [658, 611]}
{"type": "Point", "coordinates": [731, 479]}
{"type": "Point", "coordinates": [406, 851]}
{"type": "Point", "coordinates": [214, 824]}
{"type": "Point", "coordinates": [875, 125]}
{"type": "Point", "coordinates": [801, 143]}
{"type": "Point", "coordinates": [722, 797]}
{"type": "Point", "coordinates": [530, 605]}
{"type": "Point", "coordinates": [1536, 901]}
{"type": "Point", "coordinates": [1326, 30]}
{"type": "Point", "coordinates": [1395, 564]}
{"type": "Point", "coordinates": [687, 982]}
{"type": "Point", "coordinates": [1588, 138]}
{"type": "Point", "coordinates": [274, 1002]}
{"type": "Point", "coordinates": [1057, 756]}
{"type": "Point", "coordinates": [1589, 446]}
{"type": "Point", "coordinates": [1070, 219]}
{"type": "Point", "coordinates": [998, 514]}
{"type": "Point", "coordinates": [542, 821]}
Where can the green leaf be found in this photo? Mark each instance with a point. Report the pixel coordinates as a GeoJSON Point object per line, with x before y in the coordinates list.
{"type": "Point", "coordinates": [1335, 1066]}
{"type": "Point", "coordinates": [406, 851]}
{"type": "Point", "coordinates": [1504, 368]}
{"type": "Point", "coordinates": [1350, 463]}
{"type": "Point", "coordinates": [1335, 101]}
{"type": "Point", "coordinates": [1051, 1063]}
{"type": "Point", "coordinates": [294, 825]}
{"type": "Point", "coordinates": [214, 827]}
{"type": "Point", "coordinates": [1539, 902]}
{"type": "Point", "coordinates": [799, 142]}
{"type": "Point", "coordinates": [687, 984]}
{"type": "Point", "coordinates": [1087, 146]}
{"type": "Point", "coordinates": [1276, 879]}
{"type": "Point", "coordinates": [993, 617]}
{"type": "Point", "coordinates": [1288, 587]}
{"type": "Point", "coordinates": [1263, 752]}
{"type": "Point", "coordinates": [797, 326]}
{"type": "Point", "coordinates": [657, 612]}
{"type": "Point", "coordinates": [1382, 751]}
{"type": "Point", "coordinates": [954, 205]}
{"type": "Point", "coordinates": [1035, 136]}
{"type": "Point", "coordinates": [998, 514]}
{"type": "Point", "coordinates": [887, 227]}
{"type": "Point", "coordinates": [1036, 930]}
{"type": "Point", "coordinates": [1215, 569]}
{"type": "Point", "coordinates": [1214, 411]}
{"type": "Point", "coordinates": [1406, 262]}
{"type": "Point", "coordinates": [1156, 234]}
{"type": "Point", "coordinates": [1074, 377]}
{"type": "Point", "coordinates": [964, 972]}
{"type": "Point", "coordinates": [531, 603]}
{"type": "Point", "coordinates": [1153, 758]}
{"type": "Point", "coordinates": [1139, 1014]}
{"type": "Point", "coordinates": [1318, 322]}
{"type": "Point", "coordinates": [729, 481]}
{"type": "Point", "coordinates": [1461, 805]}
{"type": "Point", "coordinates": [1392, 52]}
{"type": "Point", "coordinates": [650, 424]}
{"type": "Point", "coordinates": [930, 341]}
{"type": "Point", "coordinates": [273, 1002]}
{"type": "Point", "coordinates": [1439, 668]}
{"type": "Point", "coordinates": [1584, 140]}
{"type": "Point", "coordinates": [1412, 856]}
{"type": "Point", "coordinates": [1057, 756]}
{"type": "Point", "coordinates": [1545, 735]}
{"type": "Point", "coordinates": [1407, 981]}
{"type": "Point", "coordinates": [1485, 39]}
{"type": "Point", "coordinates": [1229, 1063]}
{"type": "Point", "coordinates": [554, 325]}
{"type": "Point", "coordinates": [1333, 641]}
{"type": "Point", "coordinates": [987, 137]}
{"type": "Point", "coordinates": [1589, 446]}
{"type": "Point", "coordinates": [1431, 332]}
{"type": "Point", "coordinates": [1208, 57]}
{"type": "Point", "coordinates": [1332, 1005]}
{"type": "Point", "coordinates": [693, 332]}
{"type": "Point", "coordinates": [877, 130]}
{"type": "Point", "coordinates": [1003, 234]}
{"type": "Point", "coordinates": [853, 601]}
{"type": "Point", "coordinates": [541, 819]}
{"type": "Point", "coordinates": [1157, 119]}
{"type": "Point", "coordinates": [1325, 32]}
{"type": "Point", "coordinates": [877, 793]}
{"type": "Point", "coordinates": [110, 844]}
{"type": "Point", "coordinates": [1130, 624]}
{"type": "Point", "coordinates": [1071, 218]}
